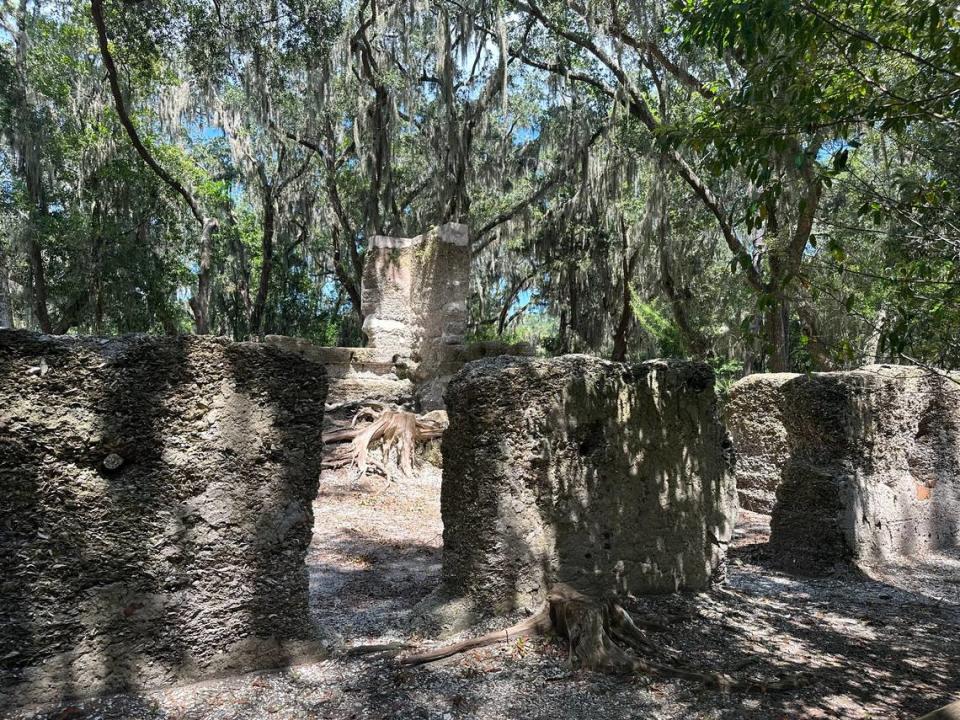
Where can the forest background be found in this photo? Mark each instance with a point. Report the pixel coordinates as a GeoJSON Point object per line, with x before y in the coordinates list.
{"type": "Point", "coordinates": [764, 184]}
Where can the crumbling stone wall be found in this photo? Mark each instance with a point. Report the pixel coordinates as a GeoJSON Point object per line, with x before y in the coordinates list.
{"type": "Point", "coordinates": [433, 379]}
{"type": "Point", "coordinates": [753, 415]}
{"type": "Point", "coordinates": [356, 374]}
{"type": "Point", "coordinates": [414, 303]}
{"type": "Point", "coordinates": [606, 476]}
{"type": "Point", "coordinates": [391, 375]}
{"type": "Point", "coordinates": [873, 467]}
{"type": "Point", "coordinates": [414, 294]}
{"type": "Point", "coordinates": [155, 511]}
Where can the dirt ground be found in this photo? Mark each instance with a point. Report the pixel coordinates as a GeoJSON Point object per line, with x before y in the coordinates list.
{"type": "Point", "coordinates": [887, 646]}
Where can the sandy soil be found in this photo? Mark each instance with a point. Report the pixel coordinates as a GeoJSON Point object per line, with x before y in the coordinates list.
{"type": "Point", "coordinates": [885, 646]}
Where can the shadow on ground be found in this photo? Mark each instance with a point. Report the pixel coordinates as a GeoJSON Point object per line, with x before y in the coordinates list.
{"type": "Point", "coordinates": [872, 648]}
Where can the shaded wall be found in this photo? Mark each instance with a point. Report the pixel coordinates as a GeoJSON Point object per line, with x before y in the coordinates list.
{"type": "Point", "coordinates": [873, 468]}
{"type": "Point", "coordinates": [155, 510]}
{"type": "Point", "coordinates": [753, 414]}
{"type": "Point", "coordinates": [611, 477]}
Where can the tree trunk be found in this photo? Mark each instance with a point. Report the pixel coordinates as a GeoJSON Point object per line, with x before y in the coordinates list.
{"type": "Point", "coordinates": [200, 302]}
{"type": "Point", "coordinates": [6, 307]}
{"type": "Point", "coordinates": [753, 347]}
{"type": "Point", "coordinates": [562, 333]}
{"type": "Point", "coordinates": [776, 329]}
{"type": "Point", "coordinates": [349, 274]}
{"type": "Point", "coordinates": [346, 279]}
{"type": "Point", "coordinates": [623, 325]}
{"type": "Point", "coordinates": [29, 167]}
{"type": "Point", "coordinates": [39, 283]}
{"type": "Point", "coordinates": [266, 267]}
{"type": "Point", "coordinates": [570, 343]}
{"type": "Point", "coordinates": [503, 316]}
{"type": "Point", "coordinates": [872, 352]}
{"type": "Point", "coordinates": [241, 280]}
{"type": "Point", "coordinates": [694, 340]}
{"type": "Point", "coordinates": [818, 351]}
{"type": "Point", "coordinates": [629, 265]}
{"type": "Point", "coordinates": [96, 253]}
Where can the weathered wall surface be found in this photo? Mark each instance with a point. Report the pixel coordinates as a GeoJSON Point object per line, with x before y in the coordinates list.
{"type": "Point", "coordinates": [874, 467]}
{"type": "Point", "coordinates": [414, 303]}
{"type": "Point", "coordinates": [433, 377]}
{"type": "Point", "coordinates": [356, 374]}
{"type": "Point", "coordinates": [391, 375]}
{"type": "Point", "coordinates": [753, 415]}
{"type": "Point", "coordinates": [610, 477]}
{"type": "Point", "coordinates": [155, 510]}
{"type": "Point", "coordinates": [415, 290]}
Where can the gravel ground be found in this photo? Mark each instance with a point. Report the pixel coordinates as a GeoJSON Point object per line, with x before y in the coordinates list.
{"type": "Point", "coordinates": [884, 646]}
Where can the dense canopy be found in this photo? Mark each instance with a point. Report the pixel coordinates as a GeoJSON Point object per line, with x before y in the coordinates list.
{"type": "Point", "coordinates": [766, 184]}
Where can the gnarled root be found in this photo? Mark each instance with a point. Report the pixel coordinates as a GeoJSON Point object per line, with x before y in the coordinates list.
{"type": "Point", "coordinates": [603, 637]}
{"type": "Point", "coordinates": [387, 426]}
{"type": "Point", "coordinates": [538, 624]}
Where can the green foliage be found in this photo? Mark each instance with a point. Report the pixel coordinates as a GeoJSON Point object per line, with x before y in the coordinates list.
{"type": "Point", "coordinates": [819, 140]}
{"type": "Point", "coordinates": [727, 372]}
{"type": "Point", "coordinates": [536, 329]}
{"type": "Point", "coordinates": [661, 329]}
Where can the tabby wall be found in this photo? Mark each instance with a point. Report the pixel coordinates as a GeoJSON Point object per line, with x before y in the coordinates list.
{"type": "Point", "coordinates": [873, 472]}
{"type": "Point", "coordinates": [754, 416]}
{"type": "Point", "coordinates": [611, 477]}
{"type": "Point", "coordinates": [415, 291]}
{"type": "Point", "coordinates": [155, 511]}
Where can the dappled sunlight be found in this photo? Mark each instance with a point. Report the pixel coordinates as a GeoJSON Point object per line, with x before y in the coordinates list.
{"type": "Point", "coordinates": [584, 477]}
{"type": "Point", "coordinates": [159, 537]}
{"type": "Point", "coordinates": [864, 482]}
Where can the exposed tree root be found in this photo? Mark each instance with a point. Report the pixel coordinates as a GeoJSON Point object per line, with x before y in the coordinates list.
{"type": "Point", "coordinates": [382, 649]}
{"type": "Point", "coordinates": [538, 624]}
{"type": "Point", "coordinates": [386, 426]}
{"type": "Point", "coordinates": [602, 636]}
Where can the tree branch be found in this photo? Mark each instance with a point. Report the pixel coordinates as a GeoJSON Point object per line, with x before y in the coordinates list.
{"type": "Point", "coordinates": [554, 178]}
{"type": "Point", "coordinates": [96, 11]}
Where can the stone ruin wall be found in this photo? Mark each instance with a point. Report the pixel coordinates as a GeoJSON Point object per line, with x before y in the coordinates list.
{"type": "Point", "coordinates": [414, 294]}
{"type": "Point", "coordinates": [860, 466]}
{"type": "Point", "coordinates": [606, 476]}
{"type": "Point", "coordinates": [874, 468]}
{"type": "Point", "coordinates": [753, 415]}
{"type": "Point", "coordinates": [355, 374]}
{"type": "Point", "coordinates": [155, 511]}
{"type": "Point", "coordinates": [382, 375]}
{"type": "Point", "coordinates": [414, 303]}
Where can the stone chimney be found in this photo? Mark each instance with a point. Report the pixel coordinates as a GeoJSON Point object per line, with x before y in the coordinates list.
{"type": "Point", "coordinates": [414, 296]}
